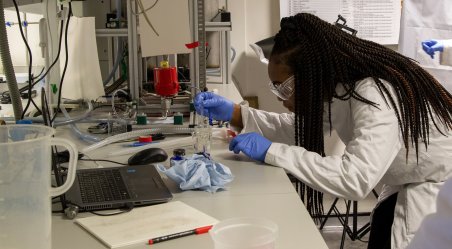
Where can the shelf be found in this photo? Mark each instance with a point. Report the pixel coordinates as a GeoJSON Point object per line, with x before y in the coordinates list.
{"type": "Point", "coordinates": [111, 32]}
{"type": "Point", "coordinates": [218, 26]}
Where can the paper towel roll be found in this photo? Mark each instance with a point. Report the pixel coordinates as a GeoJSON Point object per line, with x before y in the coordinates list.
{"type": "Point", "coordinates": [83, 78]}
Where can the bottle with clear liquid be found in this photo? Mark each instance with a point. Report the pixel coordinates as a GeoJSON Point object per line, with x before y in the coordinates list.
{"type": "Point", "coordinates": [202, 136]}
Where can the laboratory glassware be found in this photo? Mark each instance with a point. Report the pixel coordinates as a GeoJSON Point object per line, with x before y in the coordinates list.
{"type": "Point", "coordinates": [244, 233]}
{"type": "Point", "coordinates": [25, 184]}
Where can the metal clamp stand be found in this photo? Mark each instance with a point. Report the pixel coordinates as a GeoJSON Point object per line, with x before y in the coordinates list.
{"type": "Point", "coordinates": [353, 232]}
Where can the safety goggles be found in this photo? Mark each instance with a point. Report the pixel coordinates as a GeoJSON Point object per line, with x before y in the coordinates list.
{"type": "Point", "coordinates": [285, 89]}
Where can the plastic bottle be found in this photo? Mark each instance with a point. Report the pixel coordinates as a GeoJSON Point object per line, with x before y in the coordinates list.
{"type": "Point", "coordinates": [178, 155]}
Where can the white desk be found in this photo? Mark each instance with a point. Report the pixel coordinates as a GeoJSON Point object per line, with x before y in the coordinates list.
{"type": "Point", "coordinates": [258, 191]}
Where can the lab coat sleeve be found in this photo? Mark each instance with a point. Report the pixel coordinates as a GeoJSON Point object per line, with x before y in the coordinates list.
{"type": "Point", "coordinates": [277, 127]}
{"type": "Point", "coordinates": [366, 158]}
{"type": "Point", "coordinates": [446, 55]}
{"type": "Point", "coordinates": [435, 230]}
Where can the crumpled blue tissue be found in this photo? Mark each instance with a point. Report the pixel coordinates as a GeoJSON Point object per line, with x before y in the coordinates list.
{"type": "Point", "coordinates": [198, 172]}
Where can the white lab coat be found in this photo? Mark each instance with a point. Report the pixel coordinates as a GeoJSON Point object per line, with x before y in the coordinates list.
{"type": "Point", "coordinates": [374, 153]}
{"type": "Point", "coordinates": [436, 229]}
{"type": "Point", "coordinates": [422, 20]}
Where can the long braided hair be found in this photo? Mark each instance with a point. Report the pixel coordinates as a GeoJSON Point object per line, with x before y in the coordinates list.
{"type": "Point", "coordinates": [321, 55]}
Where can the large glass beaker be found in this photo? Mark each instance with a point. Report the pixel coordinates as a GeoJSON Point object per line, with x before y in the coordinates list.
{"type": "Point", "coordinates": [25, 188]}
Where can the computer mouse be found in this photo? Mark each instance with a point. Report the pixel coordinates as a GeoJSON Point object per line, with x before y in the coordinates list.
{"type": "Point", "coordinates": [148, 156]}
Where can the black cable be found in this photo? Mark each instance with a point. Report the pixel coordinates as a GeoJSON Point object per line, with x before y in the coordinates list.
{"type": "Point", "coordinates": [43, 107]}
{"type": "Point", "coordinates": [129, 206]}
{"type": "Point", "coordinates": [34, 104]}
{"type": "Point", "coordinates": [102, 160]}
{"type": "Point", "coordinates": [208, 52]}
{"type": "Point", "coordinates": [66, 61]}
{"type": "Point", "coordinates": [58, 53]}
{"type": "Point", "coordinates": [111, 88]}
{"type": "Point", "coordinates": [30, 75]}
{"type": "Point", "coordinates": [35, 77]}
{"type": "Point", "coordinates": [30, 80]}
{"type": "Point", "coordinates": [51, 65]}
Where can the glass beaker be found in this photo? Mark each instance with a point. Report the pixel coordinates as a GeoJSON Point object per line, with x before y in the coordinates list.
{"type": "Point", "coordinates": [25, 184]}
{"type": "Point", "coordinates": [202, 136]}
{"type": "Point", "coordinates": [244, 233]}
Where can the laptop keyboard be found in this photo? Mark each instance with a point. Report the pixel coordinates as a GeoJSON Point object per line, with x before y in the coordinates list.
{"type": "Point", "coordinates": [103, 185]}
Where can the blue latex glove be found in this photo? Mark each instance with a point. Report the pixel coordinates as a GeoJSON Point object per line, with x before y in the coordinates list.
{"type": "Point", "coordinates": [251, 144]}
{"type": "Point", "coordinates": [432, 46]}
{"type": "Point", "coordinates": [214, 106]}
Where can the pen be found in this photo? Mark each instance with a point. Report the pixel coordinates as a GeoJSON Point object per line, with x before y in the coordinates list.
{"type": "Point", "coordinates": [196, 231]}
{"type": "Point", "coordinates": [138, 144]}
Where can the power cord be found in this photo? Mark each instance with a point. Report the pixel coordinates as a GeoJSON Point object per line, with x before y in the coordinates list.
{"type": "Point", "coordinates": [66, 61]}
{"type": "Point", "coordinates": [57, 56]}
{"type": "Point", "coordinates": [72, 210]}
{"type": "Point", "coordinates": [30, 64]}
{"type": "Point", "coordinates": [129, 206]}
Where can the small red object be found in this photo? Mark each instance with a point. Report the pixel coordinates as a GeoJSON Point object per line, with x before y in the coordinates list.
{"type": "Point", "coordinates": [166, 83]}
{"type": "Point", "coordinates": [231, 133]}
{"type": "Point", "coordinates": [194, 45]}
{"type": "Point", "coordinates": [202, 230]}
{"type": "Point", "coordinates": [145, 139]}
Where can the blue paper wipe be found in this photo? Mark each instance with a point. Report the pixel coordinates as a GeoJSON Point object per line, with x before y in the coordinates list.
{"type": "Point", "coordinates": [198, 172]}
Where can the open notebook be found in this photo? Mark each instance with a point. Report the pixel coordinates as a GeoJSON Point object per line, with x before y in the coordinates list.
{"type": "Point", "coordinates": [144, 223]}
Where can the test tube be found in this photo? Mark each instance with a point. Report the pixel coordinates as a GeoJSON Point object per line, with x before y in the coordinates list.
{"type": "Point", "coordinates": [202, 119]}
{"type": "Point", "coordinates": [203, 134]}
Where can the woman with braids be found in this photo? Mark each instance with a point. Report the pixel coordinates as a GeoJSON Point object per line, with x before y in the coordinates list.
{"type": "Point", "coordinates": [394, 118]}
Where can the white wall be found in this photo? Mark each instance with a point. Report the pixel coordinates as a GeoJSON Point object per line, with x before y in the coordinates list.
{"type": "Point", "coordinates": [252, 21]}
{"type": "Point", "coordinates": [17, 46]}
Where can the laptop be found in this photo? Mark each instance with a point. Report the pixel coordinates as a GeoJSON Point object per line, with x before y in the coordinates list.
{"type": "Point", "coordinates": [117, 187]}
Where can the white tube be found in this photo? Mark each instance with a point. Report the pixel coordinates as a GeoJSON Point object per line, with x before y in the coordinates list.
{"type": "Point", "coordinates": [87, 137]}
{"type": "Point", "coordinates": [70, 120]}
{"type": "Point", "coordinates": [180, 142]}
{"type": "Point", "coordinates": [119, 137]}
{"type": "Point", "coordinates": [133, 134]}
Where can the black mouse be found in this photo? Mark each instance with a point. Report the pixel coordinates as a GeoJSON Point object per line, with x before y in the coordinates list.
{"type": "Point", "coordinates": [148, 156]}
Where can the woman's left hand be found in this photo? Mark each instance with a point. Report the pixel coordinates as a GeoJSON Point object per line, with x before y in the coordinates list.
{"type": "Point", "coordinates": [251, 144]}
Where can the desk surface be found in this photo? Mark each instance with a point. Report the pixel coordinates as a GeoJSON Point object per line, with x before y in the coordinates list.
{"type": "Point", "coordinates": [257, 190]}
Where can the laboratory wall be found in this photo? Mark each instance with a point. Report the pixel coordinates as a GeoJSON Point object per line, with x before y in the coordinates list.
{"type": "Point", "coordinates": [17, 47]}
{"type": "Point", "coordinates": [252, 21]}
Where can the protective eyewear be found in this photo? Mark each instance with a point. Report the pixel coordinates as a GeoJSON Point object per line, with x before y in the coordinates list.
{"type": "Point", "coordinates": [285, 89]}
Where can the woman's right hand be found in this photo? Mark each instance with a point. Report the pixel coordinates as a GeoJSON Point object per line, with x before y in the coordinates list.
{"type": "Point", "coordinates": [214, 106]}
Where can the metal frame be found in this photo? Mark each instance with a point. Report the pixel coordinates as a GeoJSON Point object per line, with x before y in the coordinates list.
{"type": "Point", "coordinates": [225, 50]}
{"type": "Point", "coordinates": [132, 45]}
{"type": "Point", "coordinates": [197, 57]}
{"type": "Point", "coordinates": [353, 232]}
